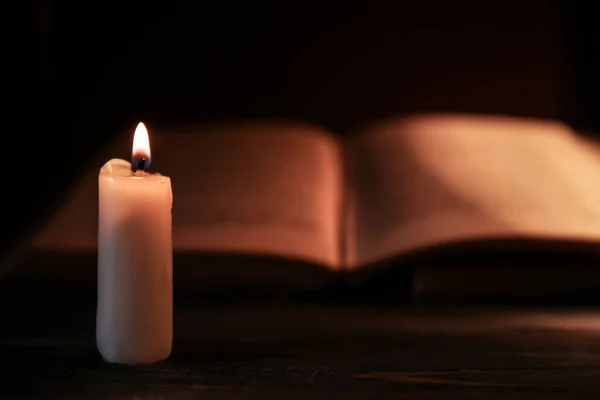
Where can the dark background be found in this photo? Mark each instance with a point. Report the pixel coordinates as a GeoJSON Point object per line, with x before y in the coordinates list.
{"type": "Point", "coordinates": [83, 71]}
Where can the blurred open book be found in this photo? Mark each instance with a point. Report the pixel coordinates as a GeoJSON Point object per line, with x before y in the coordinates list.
{"type": "Point", "coordinates": [399, 188]}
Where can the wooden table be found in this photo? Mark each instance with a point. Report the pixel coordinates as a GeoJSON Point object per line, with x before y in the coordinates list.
{"type": "Point", "coordinates": [314, 352]}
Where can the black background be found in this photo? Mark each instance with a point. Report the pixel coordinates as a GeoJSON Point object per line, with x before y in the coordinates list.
{"type": "Point", "coordinates": [81, 71]}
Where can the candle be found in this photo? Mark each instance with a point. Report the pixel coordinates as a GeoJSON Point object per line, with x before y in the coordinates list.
{"type": "Point", "coordinates": [134, 321]}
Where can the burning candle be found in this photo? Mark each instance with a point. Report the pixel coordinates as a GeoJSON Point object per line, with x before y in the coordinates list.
{"type": "Point", "coordinates": [134, 321]}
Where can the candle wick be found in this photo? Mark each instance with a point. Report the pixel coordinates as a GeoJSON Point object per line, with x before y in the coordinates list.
{"type": "Point", "coordinates": [139, 163]}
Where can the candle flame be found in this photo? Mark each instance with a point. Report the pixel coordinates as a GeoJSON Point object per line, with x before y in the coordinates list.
{"type": "Point", "coordinates": [141, 142]}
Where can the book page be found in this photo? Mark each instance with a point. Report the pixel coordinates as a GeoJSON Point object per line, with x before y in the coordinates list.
{"type": "Point", "coordinates": [264, 188]}
{"type": "Point", "coordinates": [433, 179]}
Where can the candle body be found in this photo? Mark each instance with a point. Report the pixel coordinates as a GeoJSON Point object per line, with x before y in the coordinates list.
{"type": "Point", "coordinates": [134, 321]}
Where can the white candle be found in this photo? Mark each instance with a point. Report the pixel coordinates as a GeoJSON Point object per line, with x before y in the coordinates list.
{"type": "Point", "coordinates": [134, 321]}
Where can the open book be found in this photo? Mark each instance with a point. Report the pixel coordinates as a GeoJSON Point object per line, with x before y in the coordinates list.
{"type": "Point", "coordinates": [300, 192]}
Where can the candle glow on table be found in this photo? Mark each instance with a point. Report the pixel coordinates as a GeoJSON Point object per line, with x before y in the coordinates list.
{"type": "Point", "coordinates": [134, 321]}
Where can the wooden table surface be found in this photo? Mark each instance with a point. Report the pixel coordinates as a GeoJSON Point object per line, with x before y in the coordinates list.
{"type": "Point", "coordinates": [314, 352]}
